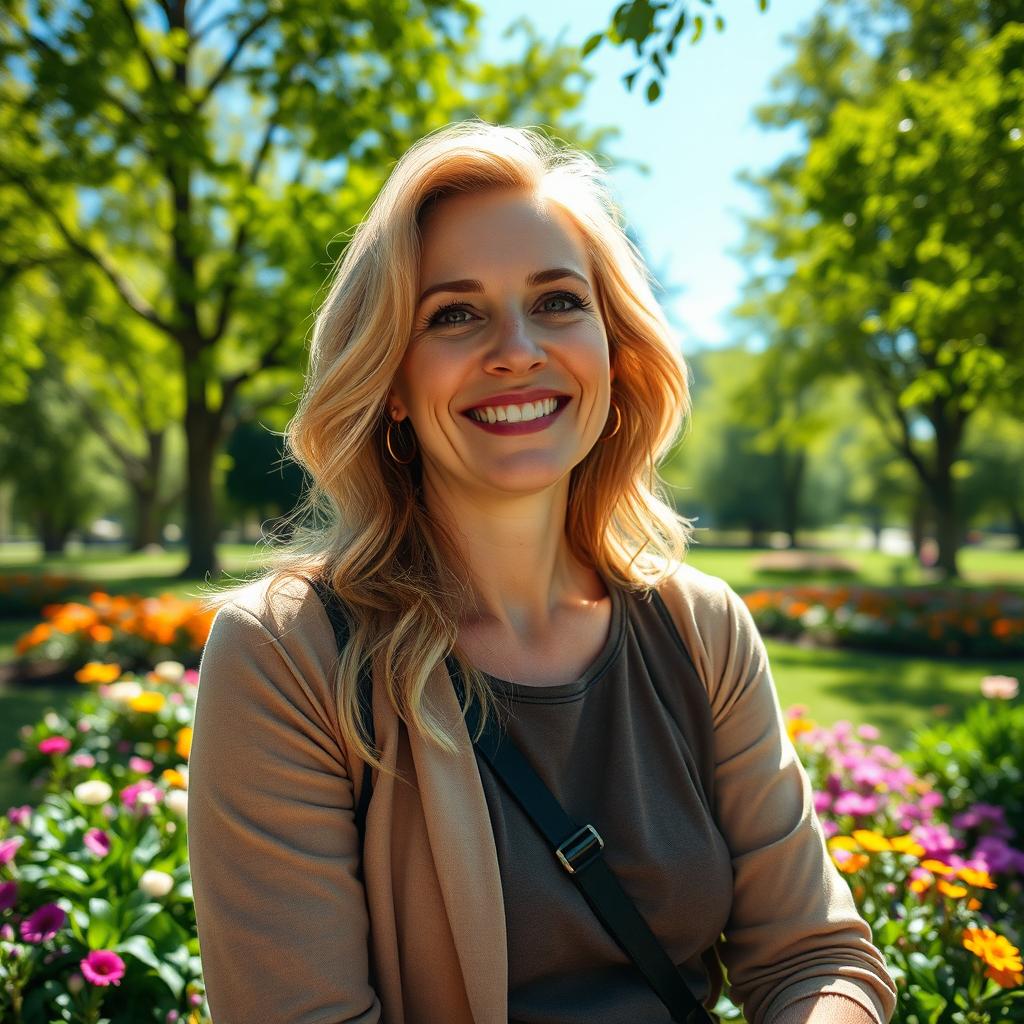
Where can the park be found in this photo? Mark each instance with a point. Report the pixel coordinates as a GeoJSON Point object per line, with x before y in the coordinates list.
{"type": "Point", "coordinates": [178, 181]}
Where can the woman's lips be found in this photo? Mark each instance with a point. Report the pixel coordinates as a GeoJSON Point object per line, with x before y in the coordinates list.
{"type": "Point", "coordinates": [522, 427]}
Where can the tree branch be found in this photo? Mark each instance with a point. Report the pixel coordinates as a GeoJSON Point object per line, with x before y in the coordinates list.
{"type": "Point", "coordinates": [146, 55]}
{"type": "Point", "coordinates": [122, 285]}
{"type": "Point", "coordinates": [229, 61]}
{"type": "Point", "coordinates": [134, 467]}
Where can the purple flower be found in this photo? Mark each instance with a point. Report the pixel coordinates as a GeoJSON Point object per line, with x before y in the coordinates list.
{"type": "Point", "coordinates": [9, 847]}
{"type": "Point", "coordinates": [937, 840]}
{"type": "Point", "coordinates": [998, 855]}
{"type": "Point", "coordinates": [55, 745]}
{"type": "Point", "coordinates": [978, 815]}
{"type": "Point", "coordinates": [97, 841]}
{"type": "Point", "coordinates": [8, 895]}
{"type": "Point", "coordinates": [103, 967]}
{"type": "Point", "coordinates": [20, 815]}
{"type": "Point", "coordinates": [43, 924]}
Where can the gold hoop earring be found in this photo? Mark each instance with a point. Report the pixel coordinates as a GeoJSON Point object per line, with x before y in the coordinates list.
{"type": "Point", "coordinates": [618, 423]}
{"type": "Point", "coordinates": [391, 450]}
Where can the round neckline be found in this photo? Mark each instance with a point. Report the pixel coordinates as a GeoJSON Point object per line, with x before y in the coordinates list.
{"type": "Point", "coordinates": [557, 692]}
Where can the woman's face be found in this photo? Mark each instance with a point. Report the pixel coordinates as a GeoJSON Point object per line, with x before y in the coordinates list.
{"type": "Point", "coordinates": [507, 317]}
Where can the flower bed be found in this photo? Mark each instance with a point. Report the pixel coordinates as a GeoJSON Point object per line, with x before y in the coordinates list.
{"type": "Point", "coordinates": [950, 622]}
{"type": "Point", "coordinates": [25, 593]}
{"type": "Point", "coordinates": [131, 631]}
{"type": "Point", "coordinates": [96, 913]}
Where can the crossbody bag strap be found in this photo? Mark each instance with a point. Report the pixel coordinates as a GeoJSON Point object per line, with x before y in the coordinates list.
{"type": "Point", "coordinates": [579, 851]}
{"type": "Point", "coordinates": [339, 623]}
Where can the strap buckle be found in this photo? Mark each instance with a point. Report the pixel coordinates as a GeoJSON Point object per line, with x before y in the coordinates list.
{"type": "Point", "coordinates": [578, 846]}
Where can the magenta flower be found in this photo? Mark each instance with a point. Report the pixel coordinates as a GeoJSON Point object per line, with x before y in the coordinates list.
{"type": "Point", "coordinates": [6, 933]}
{"type": "Point", "coordinates": [103, 967]}
{"type": "Point", "coordinates": [9, 847]}
{"type": "Point", "coordinates": [191, 676]}
{"type": "Point", "coordinates": [97, 841]}
{"type": "Point", "coordinates": [856, 804]}
{"type": "Point", "coordinates": [8, 895]}
{"type": "Point", "coordinates": [20, 815]}
{"type": "Point", "coordinates": [142, 795]}
{"type": "Point", "coordinates": [55, 745]}
{"type": "Point", "coordinates": [44, 923]}
{"type": "Point", "coordinates": [822, 802]}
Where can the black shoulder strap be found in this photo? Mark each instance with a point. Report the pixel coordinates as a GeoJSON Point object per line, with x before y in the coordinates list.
{"type": "Point", "coordinates": [339, 622]}
{"type": "Point", "coordinates": [578, 850]}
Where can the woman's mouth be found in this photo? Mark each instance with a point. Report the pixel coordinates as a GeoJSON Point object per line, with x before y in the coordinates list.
{"type": "Point", "coordinates": [526, 418]}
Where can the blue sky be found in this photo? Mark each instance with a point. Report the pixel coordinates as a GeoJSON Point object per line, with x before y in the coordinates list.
{"type": "Point", "coordinates": [696, 139]}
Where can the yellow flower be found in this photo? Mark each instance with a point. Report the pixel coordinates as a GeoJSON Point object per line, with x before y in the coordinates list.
{"type": "Point", "coordinates": [1001, 957]}
{"type": "Point", "coordinates": [937, 867]}
{"type": "Point", "coordinates": [797, 726]}
{"type": "Point", "coordinates": [184, 745]}
{"type": "Point", "coordinates": [907, 844]}
{"type": "Point", "coordinates": [98, 672]}
{"type": "Point", "coordinates": [148, 700]}
{"type": "Point", "coordinates": [979, 879]}
{"type": "Point", "coordinates": [873, 841]}
{"type": "Point", "coordinates": [953, 891]}
{"type": "Point", "coordinates": [843, 843]}
{"type": "Point", "coordinates": [174, 778]}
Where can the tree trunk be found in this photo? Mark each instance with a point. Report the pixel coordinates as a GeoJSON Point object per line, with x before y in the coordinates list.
{"type": "Point", "coordinates": [792, 482]}
{"type": "Point", "coordinates": [1017, 518]}
{"type": "Point", "coordinates": [144, 495]}
{"type": "Point", "coordinates": [201, 433]}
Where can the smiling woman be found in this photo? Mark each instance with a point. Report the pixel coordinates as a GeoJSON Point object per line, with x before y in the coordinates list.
{"type": "Point", "coordinates": [490, 388]}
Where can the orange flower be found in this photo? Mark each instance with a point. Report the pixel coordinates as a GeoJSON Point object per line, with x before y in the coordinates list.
{"type": "Point", "coordinates": [979, 879]}
{"type": "Point", "coordinates": [873, 841]}
{"type": "Point", "coordinates": [162, 746]}
{"type": "Point", "coordinates": [1002, 958]}
{"type": "Point", "coordinates": [184, 746]}
{"type": "Point", "coordinates": [920, 885]}
{"type": "Point", "coordinates": [33, 638]}
{"type": "Point", "coordinates": [843, 843]}
{"type": "Point", "coordinates": [174, 778]}
{"type": "Point", "coordinates": [101, 634]}
{"type": "Point", "coordinates": [852, 862]}
{"type": "Point", "coordinates": [98, 672]}
{"type": "Point", "coordinates": [953, 891]}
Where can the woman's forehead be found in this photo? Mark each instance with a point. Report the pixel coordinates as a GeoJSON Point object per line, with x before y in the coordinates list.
{"type": "Point", "coordinates": [500, 230]}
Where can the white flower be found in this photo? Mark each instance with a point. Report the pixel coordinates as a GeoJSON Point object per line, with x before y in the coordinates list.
{"type": "Point", "coordinates": [52, 720]}
{"type": "Point", "coordinates": [156, 883]}
{"type": "Point", "coordinates": [1000, 687]}
{"type": "Point", "coordinates": [169, 671]}
{"type": "Point", "coordinates": [147, 796]}
{"type": "Point", "coordinates": [93, 792]}
{"type": "Point", "coordinates": [126, 690]}
{"type": "Point", "coordinates": [177, 801]}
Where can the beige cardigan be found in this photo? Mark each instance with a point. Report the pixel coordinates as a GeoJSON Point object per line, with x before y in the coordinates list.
{"type": "Point", "coordinates": [285, 925]}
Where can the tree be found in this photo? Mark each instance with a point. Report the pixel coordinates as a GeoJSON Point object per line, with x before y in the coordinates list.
{"type": "Point", "coordinates": [653, 27]}
{"type": "Point", "coordinates": [899, 234]}
{"type": "Point", "coordinates": [195, 160]}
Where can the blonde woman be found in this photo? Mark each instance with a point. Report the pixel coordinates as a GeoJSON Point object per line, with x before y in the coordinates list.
{"type": "Point", "coordinates": [490, 387]}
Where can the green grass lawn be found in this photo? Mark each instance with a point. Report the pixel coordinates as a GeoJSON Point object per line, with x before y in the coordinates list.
{"type": "Point", "coordinates": [897, 693]}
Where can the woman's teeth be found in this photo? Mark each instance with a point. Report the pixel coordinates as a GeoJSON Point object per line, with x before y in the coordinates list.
{"type": "Point", "coordinates": [515, 413]}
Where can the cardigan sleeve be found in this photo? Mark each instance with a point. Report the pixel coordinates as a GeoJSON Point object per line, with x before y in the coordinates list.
{"type": "Point", "coordinates": [273, 850]}
{"type": "Point", "coordinates": [794, 930]}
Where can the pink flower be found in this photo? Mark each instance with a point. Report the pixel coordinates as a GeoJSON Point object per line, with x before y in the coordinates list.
{"type": "Point", "coordinates": [190, 676]}
{"type": "Point", "coordinates": [141, 796]}
{"type": "Point", "coordinates": [937, 840]}
{"type": "Point", "coordinates": [822, 802]}
{"type": "Point", "coordinates": [140, 764]}
{"type": "Point", "coordinates": [84, 725]}
{"type": "Point", "coordinates": [9, 847]}
{"type": "Point", "coordinates": [44, 923]}
{"type": "Point", "coordinates": [103, 967]}
{"type": "Point", "coordinates": [176, 698]}
{"type": "Point", "coordinates": [8, 895]}
{"type": "Point", "coordinates": [83, 760]}
{"type": "Point", "coordinates": [868, 732]}
{"type": "Point", "coordinates": [1000, 687]}
{"type": "Point", "coordinates": [55, 745]}
{"type": "Point", "coordinates": [20, 815]}
{"type": "Point", "coordinates": [856, 804]}
{"type": "Point", "coordinates": [97, 841]}
{"type": "Point", "coordinates": [829, 828]}
{"type": "Point", "coordinates": [6, 933]}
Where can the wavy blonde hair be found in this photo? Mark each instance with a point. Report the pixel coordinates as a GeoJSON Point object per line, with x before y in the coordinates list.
{"type": "Point", "coordinates": [362, 524]}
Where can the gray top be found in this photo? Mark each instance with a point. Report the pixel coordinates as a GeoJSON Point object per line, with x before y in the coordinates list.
{"type": "Point", "coordinates": [626, 747]}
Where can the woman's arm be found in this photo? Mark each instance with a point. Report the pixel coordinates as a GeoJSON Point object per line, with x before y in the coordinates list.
{"type": "Point", "coordinates": [794, 930]}
{"type": "Point", "coordinates": [282, 919]}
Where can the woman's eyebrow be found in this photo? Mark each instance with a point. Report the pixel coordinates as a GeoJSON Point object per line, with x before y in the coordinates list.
{"type": "Point", "coordinates": [472, 285]}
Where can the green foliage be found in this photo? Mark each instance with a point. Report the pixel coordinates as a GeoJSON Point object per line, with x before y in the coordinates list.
{"type": "Point", "coordinates": [653, 28]}
{"type": "Point", "coordinates": [977, 760]}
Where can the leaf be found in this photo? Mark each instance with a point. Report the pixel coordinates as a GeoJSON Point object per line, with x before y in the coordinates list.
{"type": "Point", "coordinates": [592, 43]}
{"type": "Point", "coordinates": [763, 4]}
{"type": "Point", "coordinates": [719, 23]}
{"type": "Point", "coordinates": [630, 79]}
{"type": "Point", "coordinates": [653, 90]}
{"type": "Point", "coordinates": [698, 29]}
{"type": "Point", "coordinates": [101, 931]}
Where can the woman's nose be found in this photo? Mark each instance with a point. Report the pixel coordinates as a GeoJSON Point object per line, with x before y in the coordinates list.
{"type": "Point", "coordinates": [515, 347]}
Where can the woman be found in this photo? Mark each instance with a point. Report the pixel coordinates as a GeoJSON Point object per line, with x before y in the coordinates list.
{"type": "Point", "coordinates": [490, 385]}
